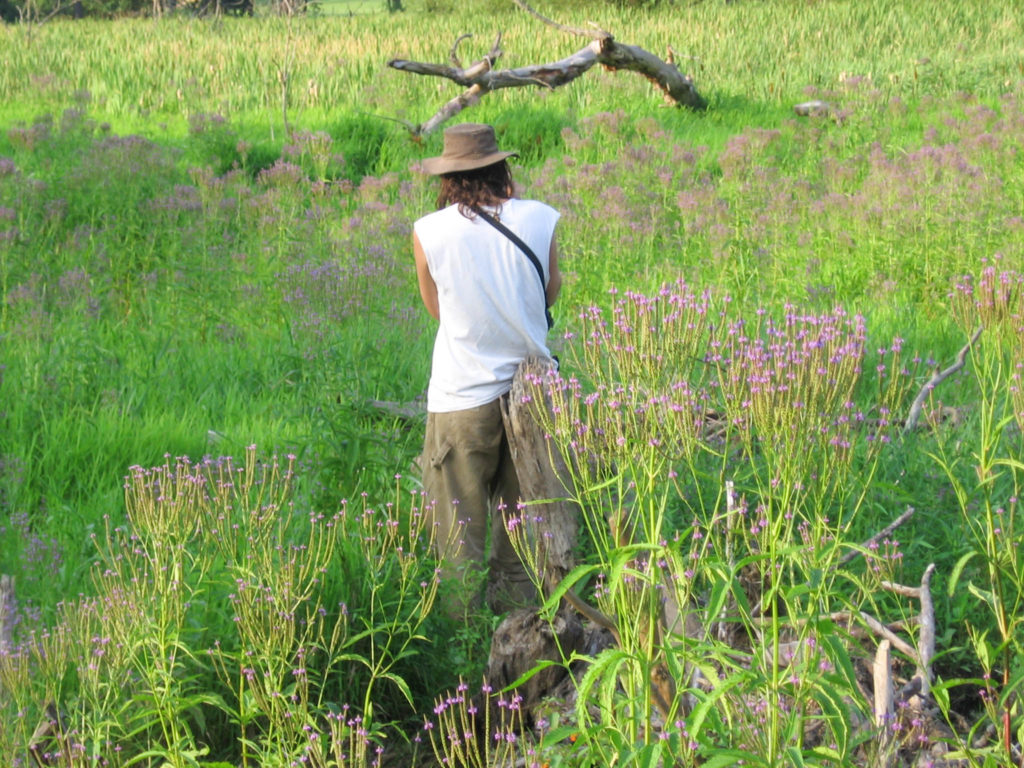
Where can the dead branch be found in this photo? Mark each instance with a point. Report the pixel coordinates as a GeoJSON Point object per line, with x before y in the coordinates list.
{"type": "Point", "coordinates": [453, 56]}
{"type": "Point", "coordinates": [7, 608]}
{"type": "Point", "coordinates": [926, 634]}
{"type": "Point", "coordinates": [877, 628]}
{"type": "Point", "coordinates": [417, 409]}
{"type": "Point", "coordinates": [914, 414]}
{"type": "Point", "coordinates": [480, 77]}
{"type": "Point", "coordinates": [853, 554]}
{"type": "Point", "coordinates": [594, 33]}
{"type": "Point", "coordinates": [882, 673]}
{"type": "Point", "coordinates": [885, 633]}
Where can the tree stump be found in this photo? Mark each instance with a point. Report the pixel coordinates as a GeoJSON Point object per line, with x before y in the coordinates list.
{"type": "Point", "coordinates": [544, 480]}
{"type": "Point", "coordinates": [525, 638]}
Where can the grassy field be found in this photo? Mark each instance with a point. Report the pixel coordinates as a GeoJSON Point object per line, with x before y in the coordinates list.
{"type": "Point", "coordinates": [204, 253]}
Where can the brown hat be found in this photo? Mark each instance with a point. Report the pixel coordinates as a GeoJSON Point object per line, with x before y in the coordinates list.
{"type": "Point", "coordinates": [466, 147]}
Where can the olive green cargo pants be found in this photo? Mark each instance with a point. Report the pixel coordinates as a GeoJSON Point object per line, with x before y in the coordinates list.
{"type": "Point", "coordinates": [468, 479]}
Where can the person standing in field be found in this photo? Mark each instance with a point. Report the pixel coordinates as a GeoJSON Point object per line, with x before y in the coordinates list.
{"type": "Point", "coordinates": [487, 266]}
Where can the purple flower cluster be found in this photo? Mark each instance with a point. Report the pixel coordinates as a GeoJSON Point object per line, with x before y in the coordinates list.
{"type": "Point", "coordinates": [781, 212]}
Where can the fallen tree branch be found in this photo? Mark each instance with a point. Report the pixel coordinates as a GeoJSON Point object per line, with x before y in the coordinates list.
{"type": "Point", "coordinates": [417, 409]}
{"type": "Point", "coordinates": [480, 78]}
{"type": "Point", "coordinates": [914, 414]}
{"type": "Point", "coordinates": [849, 617]}
{"type": "Point", "coordinates": [853, 554]}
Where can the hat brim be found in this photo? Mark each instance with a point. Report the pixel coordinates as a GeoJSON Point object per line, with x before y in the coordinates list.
{"type": "Point", "coordinates": [438, 166]}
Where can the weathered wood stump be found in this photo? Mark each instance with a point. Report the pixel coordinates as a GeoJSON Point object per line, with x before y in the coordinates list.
{"type": "Point", "coordinates": [525, 638]}
{"type": "Point", "coordinates": [544, 481]}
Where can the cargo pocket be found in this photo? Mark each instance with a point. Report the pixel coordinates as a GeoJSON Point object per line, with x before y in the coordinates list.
{"type": "Point", "coordinates": [437, 459]}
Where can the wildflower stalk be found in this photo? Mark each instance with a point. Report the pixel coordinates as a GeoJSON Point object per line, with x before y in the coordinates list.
{"type": "Point", "coordinates": [663, 395]}
{"type": "Point", "coordinates": [988, 496]}
{"type": "Point", "coordinates": [478, 731]}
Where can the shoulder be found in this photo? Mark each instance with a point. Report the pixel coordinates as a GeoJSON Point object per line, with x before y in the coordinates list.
{"type": "Point", "coordinates": [439, 224]}
{"type": "Point", "coordinates": [436, 216]}
{"type": "Point", "coordinates": [533, 209]}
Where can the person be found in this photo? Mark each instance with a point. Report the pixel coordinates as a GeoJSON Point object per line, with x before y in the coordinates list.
{"type": "Point", "coordinates": [490, 305]}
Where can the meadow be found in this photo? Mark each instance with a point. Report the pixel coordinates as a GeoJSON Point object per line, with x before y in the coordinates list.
{"type": "Point", "coordinates": [220, 552]}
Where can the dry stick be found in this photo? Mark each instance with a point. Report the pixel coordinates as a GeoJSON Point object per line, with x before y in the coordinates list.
{"type": "Point", "coordinates": [884, 632]}
{"type": "Point", "coordinates": [877, 627]}
{"type": "Point", "coordinates": [914, 414]}
{"type": "Point", "coordinates": [853, 554]}
{"type": "Point", "coordinates": [901, 589]}
{"type": "Point", "coordinates": [882, 674]}
{"type": "Point", "coordinates": [594, 34]}
{"type": "Point", "coordinates": [926, 623]}
{"type": "Point", "coordinates": [730, 515]}
{"type": "Point", "coordinates": [453, 56]}
{"type": "Point", "coordinates": [926, 634]}
{"type": "Point", "coordinates": [7, 603]}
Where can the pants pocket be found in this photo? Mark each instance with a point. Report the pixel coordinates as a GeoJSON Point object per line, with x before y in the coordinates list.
{"type": "Point", "coordinates": [437, 458]}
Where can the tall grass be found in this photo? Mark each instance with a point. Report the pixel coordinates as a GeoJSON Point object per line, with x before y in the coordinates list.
{"type": "Point", "coordinates": [181, 277]}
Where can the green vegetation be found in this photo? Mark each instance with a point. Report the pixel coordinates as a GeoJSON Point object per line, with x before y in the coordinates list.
{"type": "Point", "coordinates": [204, 230]}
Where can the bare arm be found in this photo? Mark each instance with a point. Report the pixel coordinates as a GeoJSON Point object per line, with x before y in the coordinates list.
{"type": "Point", "coordinates": [554, 273]}
{"type": "Point", "coordinates": [428, 288]}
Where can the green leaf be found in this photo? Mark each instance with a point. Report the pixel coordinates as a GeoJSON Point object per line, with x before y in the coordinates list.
{"type": "Point", "coordinates": [400, 684]}
{"type": "Point", "coordinates": [840, 657]}
{"type": "Point", "coordinates": [954, 576]}
{"type": "Point", "coordinates": [696, 719]}
{"type": "Point", "coordinates": [941, 696]}
{"type": "Point", "coordinates": [1010, 464]}
{"type": "Point", "coordinates": [816, 578]}
{"type": "Point", "coordinates": [608, 659]}
{"type": "Point", "coordinates": [727, 758]}
{"type": "Point", "coordinates": [835, 714]}
{"type": "Point", "coordinates": [557, 735]}
{"type": "Point", "coordinates": [571, 580]}
{"type": "Point", "coordinates": [719, 594]}
{"type": "Point", "coordinates": [538, 666]}
{"type": "Point", "coordinates": [794, 756]}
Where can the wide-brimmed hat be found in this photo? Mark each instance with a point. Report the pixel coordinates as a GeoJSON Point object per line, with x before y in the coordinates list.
{"type": "Point", "coordinates": [466, 147]}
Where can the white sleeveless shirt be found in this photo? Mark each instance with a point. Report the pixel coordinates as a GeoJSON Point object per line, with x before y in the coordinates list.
{"type": "Point", "coordinates": [490, 300]}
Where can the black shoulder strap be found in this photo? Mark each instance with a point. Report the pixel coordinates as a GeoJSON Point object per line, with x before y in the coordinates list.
{"type": "Point", "coordinates": [524, 248]}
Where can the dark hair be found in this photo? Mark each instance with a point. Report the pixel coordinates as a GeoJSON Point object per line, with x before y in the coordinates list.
{"type": "Point", "coordinates": [489, 186]}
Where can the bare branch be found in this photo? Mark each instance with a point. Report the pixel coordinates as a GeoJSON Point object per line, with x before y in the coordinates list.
{"type": "Point", "coordinates": [595, 34]}
{"type": "Point", "coordinates": [914, 414]}
{"type": "Point", "coordinates": [480, 77]}
{"type": "Point", "coordinates": [676, 86]}
{"type": "Point", "coordinates": [884, 632]}
{"type": "Point", "coordinates": [452, 108]}
{"type": "Point", "coordinates": [901, 589]}
{"type": "Point", "coordinates": [453, 56]}
{"type": "Point", "coordinates": [853, 554]}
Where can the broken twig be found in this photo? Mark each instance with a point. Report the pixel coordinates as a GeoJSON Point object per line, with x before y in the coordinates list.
{"type": "Point", "coordinates": [914, 414]}
{"type": "Point", "coordinates": [855, 553]}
